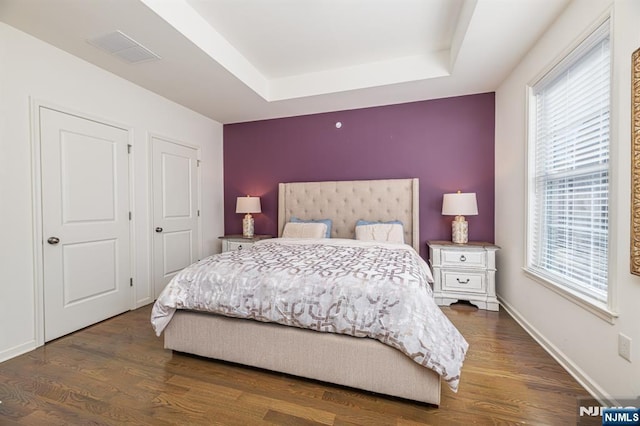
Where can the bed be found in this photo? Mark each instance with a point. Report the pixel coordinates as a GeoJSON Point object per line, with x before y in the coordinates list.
{"type": "Point", "coordinates": [357, 362]}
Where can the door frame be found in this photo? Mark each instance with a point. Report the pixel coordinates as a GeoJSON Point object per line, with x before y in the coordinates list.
{"type": "Point", "coordinates": [152, 263]}
{"type": "Point", "coordinates": [36, 181]}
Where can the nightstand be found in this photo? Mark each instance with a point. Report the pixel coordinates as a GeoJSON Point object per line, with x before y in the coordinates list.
{"type": "Point", "coordinates": [464, 272]}
{"type": "Point", "coordinates": [238, 242]}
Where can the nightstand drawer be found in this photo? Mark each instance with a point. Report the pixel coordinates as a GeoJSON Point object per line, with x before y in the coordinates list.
{"type": "Point", "coordinates": [237, 245]}
{"type": "Point", "coordinates": [470, 282]}
{"type": "Point", "coordinates": [238, 242]}
{"type": "Point", "coordinates": [464, 258]}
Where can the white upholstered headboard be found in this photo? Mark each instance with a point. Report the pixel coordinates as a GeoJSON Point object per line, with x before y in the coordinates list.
{"type": "Point", "coordinates": [345, 202]}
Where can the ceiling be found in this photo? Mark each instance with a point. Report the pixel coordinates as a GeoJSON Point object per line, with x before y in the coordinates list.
{"type": "Point", "coordinates": [245, 60]}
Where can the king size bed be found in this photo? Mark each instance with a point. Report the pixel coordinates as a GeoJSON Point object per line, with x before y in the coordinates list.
{"type": "Point", "coordinates": [401, 347]}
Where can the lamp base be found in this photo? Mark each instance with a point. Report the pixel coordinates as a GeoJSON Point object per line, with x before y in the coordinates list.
{"type": "Point", "coordinates": [460, 230]}
{"type": "Point", "coordinates": [247, 226]}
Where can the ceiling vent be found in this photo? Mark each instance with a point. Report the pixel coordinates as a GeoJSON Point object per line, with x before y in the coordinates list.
{"type": "Point", "coordinates": [124, 47]}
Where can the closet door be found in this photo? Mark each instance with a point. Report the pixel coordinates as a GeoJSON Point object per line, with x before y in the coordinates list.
{"type": "Point", "coordinates": [85, 221]}
{"type": "Point", "coordinates": [175, 209]}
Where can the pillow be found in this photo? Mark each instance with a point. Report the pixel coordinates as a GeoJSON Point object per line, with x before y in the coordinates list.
{"type": "Point", "coordinates": [327, 222]}
{"type": "Point", "coordinates": [389, 232]}
{"type": "Point", "coordinates": [304, 230]}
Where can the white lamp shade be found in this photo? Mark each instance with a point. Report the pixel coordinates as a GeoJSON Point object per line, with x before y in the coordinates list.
{"type": "Point", "coordinates": [460, 204]}
{"type": "Point", "coordinates": [248, 205]}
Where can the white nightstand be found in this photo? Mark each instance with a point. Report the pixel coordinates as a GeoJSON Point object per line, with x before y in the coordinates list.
{"type": "Point", "coordinates": [464, 272]}
{"type": "Point", "coordinates": [238, 242]}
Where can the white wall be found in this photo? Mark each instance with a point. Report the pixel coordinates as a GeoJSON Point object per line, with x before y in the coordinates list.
{"type": "Point", "coordinates": [31, 69]}
{"type": "Point", "coordinates": [584, 343]}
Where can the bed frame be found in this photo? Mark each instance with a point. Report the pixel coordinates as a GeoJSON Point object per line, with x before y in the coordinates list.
{"type": "Point", "coordinates": [350, 361]}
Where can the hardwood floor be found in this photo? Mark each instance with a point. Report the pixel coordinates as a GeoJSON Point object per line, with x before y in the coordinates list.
{"type": "Point", "coordinates": [117, 372]}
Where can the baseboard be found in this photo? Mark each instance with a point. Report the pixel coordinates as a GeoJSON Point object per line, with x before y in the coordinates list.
{"type": "Point", "coordinates": [17, 350]}
{"type": "Point", "coordinates": [576, 372]}
{"type": "Point", "coordinates": [143, 302]}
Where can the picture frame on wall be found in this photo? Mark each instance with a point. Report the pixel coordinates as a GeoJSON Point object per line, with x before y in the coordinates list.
{"type": "Point", "coordinates": [635, 162]}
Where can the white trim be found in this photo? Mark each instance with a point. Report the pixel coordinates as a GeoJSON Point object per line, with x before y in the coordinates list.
{"type": "Point", "coordinates": [614, 174]}
{"type": "Point", "coordinates": [597, 308]}
{"type": "Point", "coordinates": [574, 370]}
{"type": "Point", "coordinates": [608, 14]}
{"type": "Point", "coordinates": [18, 350]}
{"type": "Point", "coordinates": [132, 229]}
{"type": "Point", "coordinates": [150, 240]}
{"type": "Point", "coordinates": [36, 193]}
{"type": "Point", "coordinates": [594, 35]}
{"type": "Point", "coordinates": [36, 184]}
{"type": "Point", "coordinates": [529, 136]}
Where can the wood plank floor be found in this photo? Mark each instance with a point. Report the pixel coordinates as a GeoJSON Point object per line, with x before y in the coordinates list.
{"type": "Point", "coordinates": [117, 372]}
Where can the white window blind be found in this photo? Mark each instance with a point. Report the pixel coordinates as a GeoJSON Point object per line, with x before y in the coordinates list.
{"type": "Point", "coordinates": [569, 191]}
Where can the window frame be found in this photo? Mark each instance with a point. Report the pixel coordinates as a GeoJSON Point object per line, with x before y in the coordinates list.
{"type": "Point", "coordinates": [570, 56]}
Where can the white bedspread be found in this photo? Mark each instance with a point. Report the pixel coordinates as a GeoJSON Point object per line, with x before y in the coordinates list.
{"type": "Point", "coordinates": [364, 289]}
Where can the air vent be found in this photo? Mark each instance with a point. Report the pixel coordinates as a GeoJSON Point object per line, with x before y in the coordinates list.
{"type": "Point", "coordinates": [124, 47]}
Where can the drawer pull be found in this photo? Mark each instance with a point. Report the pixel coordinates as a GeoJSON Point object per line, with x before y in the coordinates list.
{"type": "Point", "coordinates": [462, 282]}
{"type": "Point", "coordinates": [463, 258]}
{"type": "Point", "coordinates": [239, 247]}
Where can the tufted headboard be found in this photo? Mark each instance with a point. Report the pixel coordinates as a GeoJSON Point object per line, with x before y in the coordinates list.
{"type": "Point", "coordinates": [345, 202]}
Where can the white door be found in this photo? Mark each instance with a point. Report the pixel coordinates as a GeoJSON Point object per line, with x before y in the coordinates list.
{"type": "Point", "coordinates": [85, 222]}
{"type": "Point", "coordinates": [175, 209]}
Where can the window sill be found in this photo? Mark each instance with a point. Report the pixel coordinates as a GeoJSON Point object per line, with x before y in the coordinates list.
{"type": "Point", "coordinates": [597, 308]}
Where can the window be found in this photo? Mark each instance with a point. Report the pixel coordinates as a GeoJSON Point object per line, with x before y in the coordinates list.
{"type": "Point", "coordinates": [568, 172]}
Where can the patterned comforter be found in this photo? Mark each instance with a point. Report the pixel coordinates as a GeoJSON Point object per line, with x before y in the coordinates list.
{"type": "Point", "coordinates": [364, 289]}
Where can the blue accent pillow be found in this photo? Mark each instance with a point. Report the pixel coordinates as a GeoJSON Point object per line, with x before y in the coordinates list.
{"type": "Point", "coordinates": [327, 222]}
{"type": "Point", "coordinates": [368, 222]}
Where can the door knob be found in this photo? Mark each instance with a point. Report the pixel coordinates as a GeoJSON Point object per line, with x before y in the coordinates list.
{"type": "Point", "coordinates": [158, 229]}
{"type": "Point", "coordinates": [53, 240]}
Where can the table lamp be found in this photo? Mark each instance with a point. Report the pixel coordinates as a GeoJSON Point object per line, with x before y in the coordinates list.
{"type": "Point", "coordinates": [459, 204]}
{"type": "Point", "coordinates": [248, 205]}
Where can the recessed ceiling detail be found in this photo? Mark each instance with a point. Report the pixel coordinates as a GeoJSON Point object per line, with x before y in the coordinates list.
{"type": "Point", "coordinates": [296, 49]}
{"type": "Point", "coordinates": [124, 47]}
{"type": "Point", "coordinates": [245, 60]}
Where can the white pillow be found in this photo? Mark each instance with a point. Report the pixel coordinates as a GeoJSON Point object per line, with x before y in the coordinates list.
{"type": "Point", "coordinates": [304, 230]}
{"type": "Point", "coordinates": [384, 232]}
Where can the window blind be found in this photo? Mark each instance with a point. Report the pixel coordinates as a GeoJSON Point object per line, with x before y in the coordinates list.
{"type": "Point", "coordinates": [569, 209]}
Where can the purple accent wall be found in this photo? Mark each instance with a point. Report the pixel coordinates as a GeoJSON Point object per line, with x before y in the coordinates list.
{"type": "Point", "coordinates": [447, 143]}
